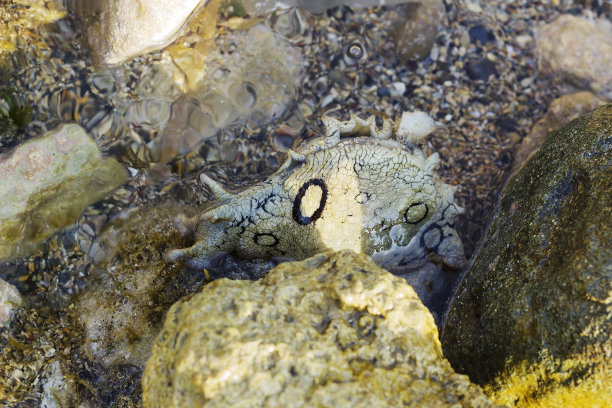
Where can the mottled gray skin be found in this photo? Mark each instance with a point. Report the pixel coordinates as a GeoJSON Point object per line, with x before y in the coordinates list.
{"type": "Point", "coordinates": [371, 194]}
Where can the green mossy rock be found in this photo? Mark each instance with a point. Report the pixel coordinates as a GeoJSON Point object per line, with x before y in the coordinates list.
{"type": "Point", "coordinates": [531, 321]}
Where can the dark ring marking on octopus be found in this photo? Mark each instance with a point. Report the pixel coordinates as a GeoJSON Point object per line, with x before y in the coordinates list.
{"type": "Point", "coordinates": [440, 237]}
{"type": "Point", "coordinates": [420, 219]}
{"type": "Point", "coordinates": [297, 215]}
{"type": "Point", "coordinates": [363, 197]}
{"type": "Point", "coordinates": [257, 238]}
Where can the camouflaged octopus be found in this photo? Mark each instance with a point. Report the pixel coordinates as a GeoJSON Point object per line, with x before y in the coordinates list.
{"type": "Point", "coordinates": [374, 193]}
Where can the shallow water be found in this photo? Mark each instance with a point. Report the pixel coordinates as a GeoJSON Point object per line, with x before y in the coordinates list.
{"type": "Point", "coordinates": [231, 105]}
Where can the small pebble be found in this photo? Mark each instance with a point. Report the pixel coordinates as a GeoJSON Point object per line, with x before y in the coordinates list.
{"type": "Point", "coordinates": [480, 34]}
{"type": "Point", "coordinates": [383, 91]}
{"type": "Point", "coordinates": [397, 89]}
{"type": "Point", "coordinates": [523, 39]}
{"type": "Point", "coordinates": [526, 82]}
{"type": "Point", "coordinates": [473, 7]}
{"type": "Point", "coordinates": [507, 124]}
{"type": "Point", "coordinates": [435, 53]}
{"type": "Point", "coordinates": [480, 69]}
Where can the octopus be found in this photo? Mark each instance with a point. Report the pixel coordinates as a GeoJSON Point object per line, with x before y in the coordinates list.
{"type": "Point", "coordinates": [361, 187]}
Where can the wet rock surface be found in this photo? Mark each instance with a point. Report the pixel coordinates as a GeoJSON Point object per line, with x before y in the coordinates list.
{"type": "Point", "coordinates": [333, 330]}
{"type": "Point", "coordinates": [578, 50]}
{"type": "Point", "coordinates": [531, 320]}
{"type": "Point", "coordinates": [10, 299]}
{"type": "Point", "coordinates": [46, 184]}
{"type": "Point", "coordinates": [349, 67]}
{"type": "Point", "coordinates": [121, 29]}
{"type": "Point", "coordinates": [132, 286]}
{"type": "Point", "coordinates": [560, 112]}
{"type": "Point", "coordinates": [415, 28]}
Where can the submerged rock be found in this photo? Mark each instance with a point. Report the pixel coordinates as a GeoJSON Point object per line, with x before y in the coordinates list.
{"type": "Point", "coordinates": [132, 287]}
{"type": "Point", "coordinates": [118, 30]}
{"type": "Point", "coordinates": [10, 299]}
{"type": "Point", "coordinates": [560, 112]}
{"type": "Point", "coordinates": [332, 330]}
{"type": "Point", "coordinates": [415, 28]}
{"type": "Point", "coordinates": [532, 319]}
{"type": "Point", "coordinates": [256, 80]}
{"type": "Point", "coordinates": [47, 182]}
{"type": "Point", "coordinates": [480, 69]}
{"type": "Point", "coordinates": [579, 51]}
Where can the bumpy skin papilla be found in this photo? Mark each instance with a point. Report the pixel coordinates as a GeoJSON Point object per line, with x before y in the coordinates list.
{"type": "Point", "coordinates": [369, 193]}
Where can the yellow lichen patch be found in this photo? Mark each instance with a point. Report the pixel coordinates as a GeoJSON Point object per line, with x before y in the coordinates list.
{"type": "Point", "coordinates": [19, 19]}
{"type": "Point", "coordinates": [549, 384]}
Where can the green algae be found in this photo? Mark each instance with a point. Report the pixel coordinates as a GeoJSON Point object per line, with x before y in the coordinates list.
{"type": "Point", "coordinates": [15, 113]}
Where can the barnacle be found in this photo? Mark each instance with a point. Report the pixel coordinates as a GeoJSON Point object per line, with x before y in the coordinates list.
{"type": "Point", "coordinates": [355, 52]}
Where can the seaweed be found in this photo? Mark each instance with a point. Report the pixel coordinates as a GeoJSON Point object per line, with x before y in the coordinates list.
{"type": "Point", "coordinates": [15, 112]}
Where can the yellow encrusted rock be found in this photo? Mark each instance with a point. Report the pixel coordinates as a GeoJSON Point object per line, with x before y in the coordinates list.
{"type": "Point", "coordinates": [332, 330]}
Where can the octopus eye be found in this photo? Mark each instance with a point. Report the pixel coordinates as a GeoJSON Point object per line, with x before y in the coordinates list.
{"type": "Point", "coordinates": [355, 52]}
